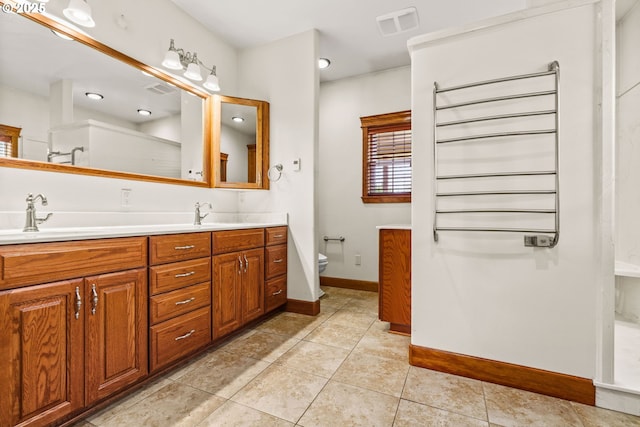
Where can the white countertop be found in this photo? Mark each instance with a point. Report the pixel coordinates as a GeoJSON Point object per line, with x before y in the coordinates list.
{"type": "Point", "coordinates": [394, 227]}
{"type": "Point", "coordinates": [8, 237]}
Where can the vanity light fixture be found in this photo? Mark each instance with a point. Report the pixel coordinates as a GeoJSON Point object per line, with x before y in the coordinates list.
{"type": "Point", "coordinates": [237, 119]}
{"type": "Point", "coordinates": [144, 112]}
{"type": "Point", "coordinates": [79, 12]}
{"type": "Point", "coordinates": [93, 95]}
{"type": "Point", "coordinates": [178, 59]}
{"type": "Point", "coordinates": [323, 63]}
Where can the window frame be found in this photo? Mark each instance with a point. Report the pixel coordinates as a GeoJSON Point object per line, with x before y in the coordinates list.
{"type": "Point", "coordinates": [368, 123]}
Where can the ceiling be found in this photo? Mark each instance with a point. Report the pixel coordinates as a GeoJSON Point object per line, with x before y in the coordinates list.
{"type": "Point", "coordinates": [349, 34]}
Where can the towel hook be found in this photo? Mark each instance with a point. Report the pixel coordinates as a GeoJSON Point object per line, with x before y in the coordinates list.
{"type": "Point", "coordinates": [278, 168]}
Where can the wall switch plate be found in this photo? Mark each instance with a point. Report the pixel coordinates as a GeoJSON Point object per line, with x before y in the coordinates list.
{"type": "Point", "coordinates": [538, 241]}
{"type": "Point", "coordinates": [296, 165]}
{"type": "Point", "coordinates": [358, 259]}
{"type": "Point", "coordinates": [125, 197]}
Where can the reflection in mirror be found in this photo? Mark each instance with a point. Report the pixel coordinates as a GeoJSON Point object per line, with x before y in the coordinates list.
{"type": "Point", "coordinates": [79, 109]}
{"type": "Point", "coordinates": [241, 142]}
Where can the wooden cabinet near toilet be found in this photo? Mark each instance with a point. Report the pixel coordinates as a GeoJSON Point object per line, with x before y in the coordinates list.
{"type": "Point", "coordinates": [394, 277]}
{"type": "Point", "coordinates": [84, 321]}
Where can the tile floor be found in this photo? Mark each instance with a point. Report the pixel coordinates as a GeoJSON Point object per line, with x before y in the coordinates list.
{"type": "Point", "coordinates": [340, 368]}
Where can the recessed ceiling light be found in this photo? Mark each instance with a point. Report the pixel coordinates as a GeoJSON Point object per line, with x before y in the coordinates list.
{"type": "Point", "coordinates": [93, 95]}
{"type": "Point", "coordinates": [323, 63]}
{"type": "Point", "coordinates": [144, 112]}
{"type": "Point", "coordinates": [237, 119]}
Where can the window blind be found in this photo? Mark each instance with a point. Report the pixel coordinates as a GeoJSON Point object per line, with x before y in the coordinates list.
{"type": "Point", "coordinates": [389, 160]}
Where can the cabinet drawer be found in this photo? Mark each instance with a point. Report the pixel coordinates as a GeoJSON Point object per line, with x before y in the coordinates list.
{"type": "Point", "coordinates": [175, 338]}
{"type": "Point", "coordinates": [237, 240]}
{"type": "Point", "coordinates": [34, 263]}
{"type": "Point", "coordinates": [164, 278]}
{"type": "Point", "coordinates": [173, 304]}
{"type": "Point", "coordinates": [275, 293]}
{"type": "Point", "coordinates": [276, 235]}
{"type": "Point", "coordinates": [178, 247]}
{"type": "Point", "coordinates": [276, 261]}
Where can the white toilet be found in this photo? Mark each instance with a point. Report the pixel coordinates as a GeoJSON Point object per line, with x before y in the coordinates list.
{"type": "Point", "coordinates": [322, 262]}
{"type": "Point", "coordinates": [322, 265]}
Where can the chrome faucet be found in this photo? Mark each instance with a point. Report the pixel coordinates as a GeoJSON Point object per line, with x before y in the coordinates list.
{"type": "Point", "coordinates": [73, 154]}
{"type": "Point", "coordinates": [33, 221]}
{"type": "Point", "coordinates": [198, 218]}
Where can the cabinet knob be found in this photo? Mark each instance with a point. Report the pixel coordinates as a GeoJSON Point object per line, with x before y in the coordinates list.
{"type": "Point", "coordinates": [182, 248]}
{"type": "Point", "coordinates": [78, 302]}
{"type": "Point", "coordinates": [187, 335]}
{"type": "Point", "coordinates": [190, 273]}
{"type": "Point", "coordinates": [94, 299]}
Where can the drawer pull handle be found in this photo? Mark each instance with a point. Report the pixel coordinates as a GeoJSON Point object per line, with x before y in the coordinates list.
{"type": "Point", "coordinates": [187, 335]}
{"type": "Point", "coordinates": [78, 302]}
{"type": "Point", "coordinates": [276, 293]}
{"type": "Point", "coordinates": [278, 236]}
{"type": "Point", "coordinates": [187, 301]}
{"type": "Point", "coordinates": [182, 248]}
{"type": "Point", "coordinates": [246, 263]}
{"type": "Point", "coordinates": [94, 299]}
{"type": "Point", "coordinates": [277, 261]}
{"type": "Point", "coordinates": [190, 273]}
{"type": "Point", "coordinates": [240, 263]}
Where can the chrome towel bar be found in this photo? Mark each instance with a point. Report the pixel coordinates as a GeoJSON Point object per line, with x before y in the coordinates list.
{"type": "Point", "coordinates": [339, 239]}
{"type": "Point", "coordinates": [467, 184]}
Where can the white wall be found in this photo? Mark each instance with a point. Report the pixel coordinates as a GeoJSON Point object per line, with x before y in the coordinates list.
{"type": "Point", "coordinates": [146, 38]}
{"type": "Point", "coordinates": [486, 295]}
{"type": "Point", "coordinates": [340, 208]}
{"type": "Point", "coordinates": [285, 74]}
{"type": "Point", "coordinates": [628, 140]}
{"type": "Point", "coordinates": [234, 144]}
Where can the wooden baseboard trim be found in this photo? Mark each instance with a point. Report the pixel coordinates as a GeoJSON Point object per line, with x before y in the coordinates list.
{"type": "Point", "coordinates": [358, 285]}
{"type": "Point", "coordinates": [554, 384]}
{"type": "Point", "coordinates": [310, 308]}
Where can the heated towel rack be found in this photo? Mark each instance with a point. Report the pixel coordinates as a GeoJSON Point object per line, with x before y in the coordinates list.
{"type": "Point", "coordinates": [508, 186]}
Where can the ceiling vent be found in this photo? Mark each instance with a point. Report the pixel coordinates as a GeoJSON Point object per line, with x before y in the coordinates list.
{"type": "Point", "coordinates": [398, 21]}
{"type": "Point", "coordinates": [160, 88]}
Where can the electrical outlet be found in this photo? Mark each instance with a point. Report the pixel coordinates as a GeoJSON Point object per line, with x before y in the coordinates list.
{"type": "Point", "coordinates": [125, 197]}
{"type": "Point", "coordinates": [358, 259]}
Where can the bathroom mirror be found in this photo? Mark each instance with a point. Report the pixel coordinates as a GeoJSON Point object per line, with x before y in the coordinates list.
{"type": "Point", "coordinates": [240, 143]}
{"type": "Point", "coordinates": [44, 85]}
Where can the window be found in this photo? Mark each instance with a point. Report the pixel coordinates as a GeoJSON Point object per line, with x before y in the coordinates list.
{"type": "Point", "coordinates": [386, 158]}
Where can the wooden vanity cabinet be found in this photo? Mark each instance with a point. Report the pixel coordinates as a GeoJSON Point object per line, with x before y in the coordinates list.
{"type": "Point", "coordinates": [70, 342]}
{"type": "Point", "coordinates": [238, 279]}
{"type": "Point", "coordinates": [395, 279]}
{"type": "Point", "coordinates": [275, 268]}
{"type": "Point", "coordinates": [179, 296]}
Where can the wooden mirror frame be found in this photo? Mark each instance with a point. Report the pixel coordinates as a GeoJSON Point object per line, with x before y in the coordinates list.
{"type": "Point", "coordinates": [262, 144]}
{"type": "Point", "coordinates": [88, 41]}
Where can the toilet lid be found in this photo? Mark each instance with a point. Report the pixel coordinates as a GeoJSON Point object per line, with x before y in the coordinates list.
{"type": "Point", "coordinates": [322, 258]}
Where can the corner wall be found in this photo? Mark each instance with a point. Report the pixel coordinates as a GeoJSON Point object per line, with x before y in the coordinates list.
{"type": "Point", "coordinates": [485, 294]}
{"type": "Point", "coordinates": [285, 74]}
{"type": "Point", "coordinates": [340, 208]}
{"type": "Point", "coordinates": [628, 141]}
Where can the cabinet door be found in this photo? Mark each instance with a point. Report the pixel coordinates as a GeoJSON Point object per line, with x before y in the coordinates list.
{"type": "Point", "coordinates": [41, 348]}
{"type": "Point", "coordinates": [395, 279]}
{"type": "Point", "coordinates": [252, 284]}
{"type": "Point", "coordinates": [227, 276]}
{"type": "Point", "coordinates": [116, 335]}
